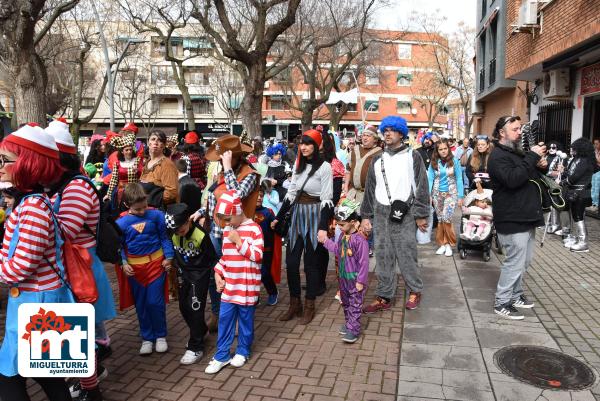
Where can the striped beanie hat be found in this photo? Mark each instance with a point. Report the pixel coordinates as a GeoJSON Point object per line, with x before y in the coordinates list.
{"type": "Point", "coordinates": [33, 137]}
{"type": "Point", "coordinates": [59, 129]}
{"type": "Point", "coordinates": [229, 204]}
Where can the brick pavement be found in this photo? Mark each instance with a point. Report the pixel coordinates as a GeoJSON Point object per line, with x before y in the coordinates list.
{"type": "Point", "coordinates": [289, 361]}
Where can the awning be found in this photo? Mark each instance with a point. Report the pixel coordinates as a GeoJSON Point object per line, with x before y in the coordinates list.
{"type": "Point", "coordinates": [372, 105]}
{"type": "Point", "coordinates": [279, 97]}
{"type": "Point", "coordinates": [488, 21]}
{"type": "Point", "coordinates": [350, 97]}
{"type": "Point", "coordinates": [201, 97]}
{"type": "Point", "coordinates": [235, 102]}
{"type": "Point", "coordinates": [196, 43]}
{"type": "Point", "coordinates": [403, 75]}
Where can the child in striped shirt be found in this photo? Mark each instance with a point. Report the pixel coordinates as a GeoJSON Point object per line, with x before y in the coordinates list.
{"type": "Point", "coordinates": [238, 277]}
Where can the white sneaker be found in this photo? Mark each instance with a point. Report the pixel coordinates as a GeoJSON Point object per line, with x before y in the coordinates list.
{"type": "Point", "coordinates": [448, 250]}
{"type": "Point", "coordinates": [238, 361]}
{"type": "Point", "coordinates": [146, 348]}
{"type": "Point", "coordinates": [441, 250]}
{"type": "Point", "coordinates": [161, 345]}
{"type": "Point", "coordinates": [214, 366]}
{"type": "Point", "coordinates": [190, 357]}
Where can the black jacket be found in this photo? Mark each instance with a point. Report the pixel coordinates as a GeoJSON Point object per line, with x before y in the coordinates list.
{"type": "Point", "coordinates": [516, 200]}
{"type": "Point", "coordinates": [426, 154]}
{"type": "Point", "coordinates": [190, 193]}
{"type": "Point", "coordinates": [578, 176]}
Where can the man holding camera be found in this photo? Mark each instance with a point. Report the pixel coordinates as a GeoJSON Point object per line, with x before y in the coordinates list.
{"type": "Point", "coordinates": [517, 211]}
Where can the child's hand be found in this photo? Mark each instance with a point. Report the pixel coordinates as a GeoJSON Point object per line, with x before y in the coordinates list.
{"type": "Point", "coordinates": [359, 287]}
{"type": "Point", "coordinates": [234, 237]}
{"type": "Point", "coordinates": [220, 283]}
{"type": "Point", "coordinates": [322, 236]}
{"type": "Point", "coordinates": [167, 264]}
{"type": "Point", "coordinates": [128, 270]}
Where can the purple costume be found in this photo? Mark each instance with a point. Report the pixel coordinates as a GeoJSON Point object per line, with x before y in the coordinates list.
{"type": "Point", "coordinates": [353, 260]}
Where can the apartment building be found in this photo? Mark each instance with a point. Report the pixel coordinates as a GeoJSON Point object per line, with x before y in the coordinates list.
{"type": "Point", "coordinates": [496, 95]}
{"type": "Point", "coordinates": [554, 45]}
{"type": "Point", "coordinates": [147, 91]}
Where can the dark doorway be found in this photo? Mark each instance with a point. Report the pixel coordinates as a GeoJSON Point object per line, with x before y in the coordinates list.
{"type": "Point", "coordinates": [591, 117]}
{"type": "Point", "coordinates": [555, 122]}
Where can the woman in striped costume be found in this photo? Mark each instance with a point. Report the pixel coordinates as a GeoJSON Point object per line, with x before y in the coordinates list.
{"type": "Point", "coordinates": [31, 257]}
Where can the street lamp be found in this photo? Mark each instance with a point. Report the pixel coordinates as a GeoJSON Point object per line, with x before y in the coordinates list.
{"type": "Point", "coordinates": [110, 74]}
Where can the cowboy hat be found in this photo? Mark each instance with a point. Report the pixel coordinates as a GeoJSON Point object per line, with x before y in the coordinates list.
{"type": "Point", "coordinates": [225, 143]}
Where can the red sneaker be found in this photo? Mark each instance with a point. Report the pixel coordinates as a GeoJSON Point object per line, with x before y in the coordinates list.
{"type": "Point", "coordinates": [379, 304]}
{"type": "Point", "coordinates": [414, 299]}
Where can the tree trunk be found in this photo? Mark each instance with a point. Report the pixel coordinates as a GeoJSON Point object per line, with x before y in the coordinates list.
{"type": "Point", "coordinates": [187, 105]}
{"type": "Point", "coordinates": [30, 89]}
{"type": "Point", "coordinates": [251, 110]}
{"type": "Point", "coordinates": [306, 119]}
{"type": "Point", "coordinates": [75, 128]}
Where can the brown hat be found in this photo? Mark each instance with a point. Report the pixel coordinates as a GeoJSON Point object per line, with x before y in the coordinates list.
{"type": "Point", "coordinates": [225, 143]}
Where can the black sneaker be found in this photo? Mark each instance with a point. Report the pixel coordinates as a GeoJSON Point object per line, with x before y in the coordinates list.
{"type": "Point", "coordinates": [90, 395]}
{"type": "Point", "coordinates": [523, 302]}
{"type": "Point", "coordinates": [76, 389]}
{"type": "Point", "coordinates": [509, 312]}
{"type": "Point", "coordinates": [103, 351]}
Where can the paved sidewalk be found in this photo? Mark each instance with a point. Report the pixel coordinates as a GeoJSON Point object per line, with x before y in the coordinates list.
{"type": "Point", "coordinates": [448, 343]}
{"type": "Point", "coordinates": [443, 350]}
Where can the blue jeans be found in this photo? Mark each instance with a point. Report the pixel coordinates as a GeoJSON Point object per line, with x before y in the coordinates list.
{"type": "Point", "coordinates": [519, 252]}
{"type": "Point", "coordinates": [215, 297]}
{"type": "Point", "coordinates": [595, 188]}
{"type": "Point", "coordinates": [230, 316]}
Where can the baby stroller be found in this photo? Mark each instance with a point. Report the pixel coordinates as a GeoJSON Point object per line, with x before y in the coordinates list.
{"type": "Point", "coordinates": [476, 228]}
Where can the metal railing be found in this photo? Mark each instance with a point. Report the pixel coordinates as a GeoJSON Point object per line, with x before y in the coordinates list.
{"type": "Point", "coordinates": [555, 122]}
{"type": "Point", "coordinates": [492, 78]}
{"type": "Point", "coordinates": [481, 80]}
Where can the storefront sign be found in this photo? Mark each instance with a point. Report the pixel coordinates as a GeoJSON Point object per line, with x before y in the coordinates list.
{"type": "Point", "coordinates": [590, 79]}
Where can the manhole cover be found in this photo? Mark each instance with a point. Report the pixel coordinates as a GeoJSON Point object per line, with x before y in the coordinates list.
{"type": "Point", "coordinates": [544, 367]}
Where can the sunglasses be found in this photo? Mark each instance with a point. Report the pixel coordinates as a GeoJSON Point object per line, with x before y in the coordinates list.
{"type": "Point", "coordinates": [4, 161]}
{"type": "Point", "coordinates": [553, 147]}
{"type": "Point", "coordinates": [511, 119]}
{"type": "Point", "coordinates": [484, 137]}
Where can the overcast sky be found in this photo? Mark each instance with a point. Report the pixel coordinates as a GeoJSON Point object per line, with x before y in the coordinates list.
{"type": "Point", "coordinates": [455, 11]}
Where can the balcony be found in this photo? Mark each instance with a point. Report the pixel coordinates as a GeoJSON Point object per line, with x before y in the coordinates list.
{"type": "Point", "coordinates": [481, 80]}
{"type": "Point", "coordinates": [492, 78]}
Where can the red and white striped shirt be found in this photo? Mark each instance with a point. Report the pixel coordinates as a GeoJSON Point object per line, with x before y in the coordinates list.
{"type": "Point", "coordinates": [79, 205]}
{"type": "Point", "coordinates": [35, 250]}
{"type": "Point", "coordinates": [240, 266]}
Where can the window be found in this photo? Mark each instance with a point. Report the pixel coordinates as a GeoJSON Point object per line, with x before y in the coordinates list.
{"type": "Point", "coordinates": [168, 106]}
{"type": "Point", "coordinates": [443, 110]}
{"type": "Point", "coordinates": [197, 75]}
{"type": "Point", "coordinates": [493, 37]}
{"type": "Point", "coordinates": [483, 8]}
{"type": "Point", "coordinates": [372, 76]}
{"type": "Point", "coordinates": [404, 77]}
{"type": "Point", "coordinates": [203, 104]}
{"type": "Point", "coordinates": [279, 102]}
{"type": "Point", "coordinates": [284, 76]}
{"type": "Point", "coordinates": [404, 51]}
{"type": "Point", "coordinates": [352, 107]}
{"type": "Point", "coordinates": [197, 45]}
{"type": "Point", "coordinates": [403, 107]}
{"type": "Point", "coordinates": [162, 75]}
{"type": "Point", "coordinates": [482, 48]}
{"type": "Point", "coordinates": [372, 106]}
{"type": "Point", "coordinates": [87, 103]}
{"type": "Point", "coordinates": [129, 74]}
{"type": "Point", "coordinates": [159, 49]}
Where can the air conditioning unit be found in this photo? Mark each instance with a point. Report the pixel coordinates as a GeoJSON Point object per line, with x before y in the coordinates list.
{"type": "Point", "coordinates": [557, 84]}
{"type": "Point", "coordinates": [528, 13]}
{"type": "Point", "coordinates": [266, 85]}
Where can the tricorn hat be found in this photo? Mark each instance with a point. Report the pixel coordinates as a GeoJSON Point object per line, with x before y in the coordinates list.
{"type": "Point", "coordinates": [225, 143]}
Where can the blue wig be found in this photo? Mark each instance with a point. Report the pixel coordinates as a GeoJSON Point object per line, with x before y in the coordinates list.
{"type": "Point", "coordinates": [395, 123]}
{"type": "Point", "coordinates": [428, 135]}
{"type": "Point", "coordinates": [277, 148]}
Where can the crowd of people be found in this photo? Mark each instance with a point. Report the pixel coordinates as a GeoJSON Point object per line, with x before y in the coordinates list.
{"type": "Point", "coordinates": [197, 222]}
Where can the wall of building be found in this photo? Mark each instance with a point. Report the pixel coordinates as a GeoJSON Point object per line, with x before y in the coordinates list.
{"type": "Point", "coordinates": [505, 103]}
{"type": "Point", "coordinates": [564, 24]}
